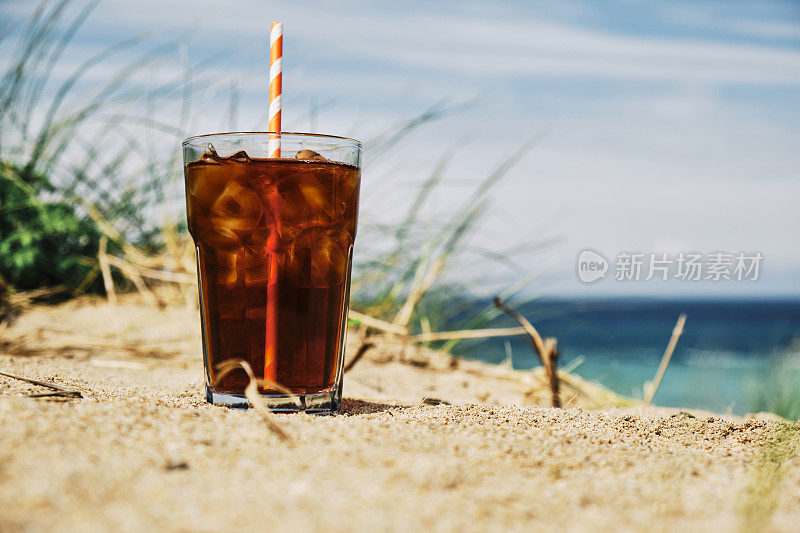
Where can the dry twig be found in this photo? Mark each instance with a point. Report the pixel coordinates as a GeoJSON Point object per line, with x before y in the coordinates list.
{"type": "Point", "coordinates": [466, 334]}
{"type": "Point", "coordinates": [651, 388]}
{"type": "Point", "coordinates": [357, 357]}
{"type": "Point", "coordinates": [545, 349]}
{"type": "Point", "coordinates": [108, 283]}
{"type": "Point", "coordinates": [181, 278]}
{"type": "Point", "coordinates": [252, 395]}
{"type": "Point", "coordinates": [377, 323]}
{"type": "Point", "coordinates": [132, 273]}
{"type": "Point", "coordinates": [58, 390]}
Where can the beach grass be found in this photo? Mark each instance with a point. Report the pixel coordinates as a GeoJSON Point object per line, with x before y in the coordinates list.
{"type": "Point", "coordinates": [82, 214]}
{"type": "Point", "coordinates": [767, 475]}
{"type": "Point", "coordinates": [776, 388]}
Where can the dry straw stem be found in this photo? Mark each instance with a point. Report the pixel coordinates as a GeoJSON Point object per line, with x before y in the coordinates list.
{"type": "Point", "coordinates": [136, 255]}
{"type": "Point", "coordinates": [545, 349]}
{"type": "Point", "coordinates": [58, 390]}
{"type": "Point", "coordinates": [252, 395]}
{"type": "Point", "coordinates": [432, 336]}
{"type": "Point", "coordinates": [422, 282]}
{"type": "Point", "coordinates": [377, 323]}
{"type": "Point", "coordinates": [652, 387]}
{"type": "Point", "coordinates": [108, 283]}
{"type": "Point", "coordinates": [467, 334]}
{"type": "Point", "coordinates": [357, 357]}
{"type": "Point", "coordinates": [132, 273]}
{"type": "Point", "coordinates": [24, 298]}
{"type": "Point", "coordinates": [552, 359]}
{"type": "Point", "coordinates": [136, 260]}
{"type": "Point", "coordinates": [180, 278]}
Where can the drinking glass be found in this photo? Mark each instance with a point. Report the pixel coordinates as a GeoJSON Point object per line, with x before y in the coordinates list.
{"type": "Point", "coordinates": [274, 243]}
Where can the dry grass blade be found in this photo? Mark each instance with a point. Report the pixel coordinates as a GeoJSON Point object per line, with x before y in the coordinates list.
{"type": "Point", "coordinates": [251, 392]}
{"type": "Point", "coordinates": [536, 339]}
{"type": "Point", "coordinates": [404, 315]}
{"type": "Point", "coordinates": [18, 301]}
{"type": "Point", "coordinates": [545, 349]}
{"type": "Point", "coordinates": [357, 357]}
{"type": "Point", "coordinates": [552, 370]}
{"type": "Point", "coordinates": [108, 283]}
{"type": "Point", "coordinates": [652, 387]}
{"type": "Point", "coordinates": [467, 334]}
{"type": "Point", "coordinates": [377, 323]}
{"type": "Point", "coordinates": [179, 249]}
{"type": "Point", "coordinates": [268, 383]}
{"type": "Point", "coordinates": [59, 391]}
{"type": "Point", "coordinates": [132, 274]}
{"type": "Point", "coordinates": [418, 290]}
{"type": "Point", "coordinates": [162, 275]}
{"type": "Point", "coordinates": [54, 394]}
{"type": "Point", "coordinates": [110, 232]}
{"type": "Point", "coordinates": [241, 363]}
{"type": "Point", "coordinates": [491, 311]}
{"type": "Point", "coordinates": [434, 401]}
{"type": "Point", "coordinates": [425, 326]}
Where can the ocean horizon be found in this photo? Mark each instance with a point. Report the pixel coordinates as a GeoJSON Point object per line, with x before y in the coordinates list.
{"type": "Point", "coordinates": [734, 356]}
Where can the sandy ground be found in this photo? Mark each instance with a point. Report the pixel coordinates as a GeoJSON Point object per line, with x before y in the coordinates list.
{"type": "Point", "coordinates": [142, 451]}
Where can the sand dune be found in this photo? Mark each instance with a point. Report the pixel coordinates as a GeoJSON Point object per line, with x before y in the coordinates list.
{"type": "Point", "coordinates": [142, 450]}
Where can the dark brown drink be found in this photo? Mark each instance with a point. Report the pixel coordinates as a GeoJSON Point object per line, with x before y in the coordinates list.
{"type": "Point", "coordinates": [274, 244]}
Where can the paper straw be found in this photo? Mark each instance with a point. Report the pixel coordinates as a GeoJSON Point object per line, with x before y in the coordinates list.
{"type": "Point", "coordinates": [275, 81]}
{"type": "Point", "coordinates": [272, 308]}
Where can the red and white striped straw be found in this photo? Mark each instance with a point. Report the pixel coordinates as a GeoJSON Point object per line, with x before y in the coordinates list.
{"type": "Point", "coordinates": [275, 81]}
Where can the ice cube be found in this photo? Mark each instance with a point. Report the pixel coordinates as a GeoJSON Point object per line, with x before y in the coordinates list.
{"type": "Point", "coordinates": [297, 259]}
{"type": "Point", "coordinates": [258, 265]}
{"type": "Point", "coordinates": [259, 237]}
{"type": "Point", "coordinates": [214, 231]}
{"type": "Point", "coordinates": [205, 182]}
{"type": "Point", "coordinates": [283, 219]}
{"type": "Point", "coordinates": [227, 267]}
{"type": "Point", "coordinates": [236, 210]}
{"type": "Point", "coordinates": [294, 205]}
{"type": "Point", "coordinates": [262, 181]}
{"type": "Point", "coordinates": [318, 258]}
{"type": "Point", "coordinates": [349, 184]}
{"type": "Point", "coordinates": [240, 157]}
{"type": "Point", "coordinates": [316, 197]}
{"type": "Point", "coordinates": [309, 155]}
{"type": "Point", "coordinates": [210, 155]}
{"type": "Point", "coordinates": [329, 257]}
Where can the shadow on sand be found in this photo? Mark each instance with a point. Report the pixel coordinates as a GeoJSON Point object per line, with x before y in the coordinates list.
{"type": "Point", "coordinates": [352, 406]}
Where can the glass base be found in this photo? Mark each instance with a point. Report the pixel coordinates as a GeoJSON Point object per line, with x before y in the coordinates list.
{"type": "Point", "coordinates": [320, 402]}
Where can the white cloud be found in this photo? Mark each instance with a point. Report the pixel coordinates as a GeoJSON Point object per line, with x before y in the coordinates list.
{"type": "Point", "coordinates": [461, 42]}
{"type": "Point", "coordinates": [664, 163]}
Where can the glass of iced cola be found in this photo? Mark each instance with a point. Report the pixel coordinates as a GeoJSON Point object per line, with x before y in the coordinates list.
{"type": "Point", "coordinates": [274, 243]}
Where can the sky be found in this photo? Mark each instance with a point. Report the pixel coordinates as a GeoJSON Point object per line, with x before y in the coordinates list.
{"type": "Point", "coordinates": [658, 127]}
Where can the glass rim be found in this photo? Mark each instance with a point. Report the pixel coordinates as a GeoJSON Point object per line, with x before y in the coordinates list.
{"type": "Point", "coordinates": [189, 140]}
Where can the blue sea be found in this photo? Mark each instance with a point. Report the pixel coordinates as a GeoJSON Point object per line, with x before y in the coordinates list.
{"type": "Point", "coordinates": [732, 354]}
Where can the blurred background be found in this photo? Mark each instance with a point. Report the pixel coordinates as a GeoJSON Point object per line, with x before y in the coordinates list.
{"type": "Point", "coordinates": [501, 139]}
